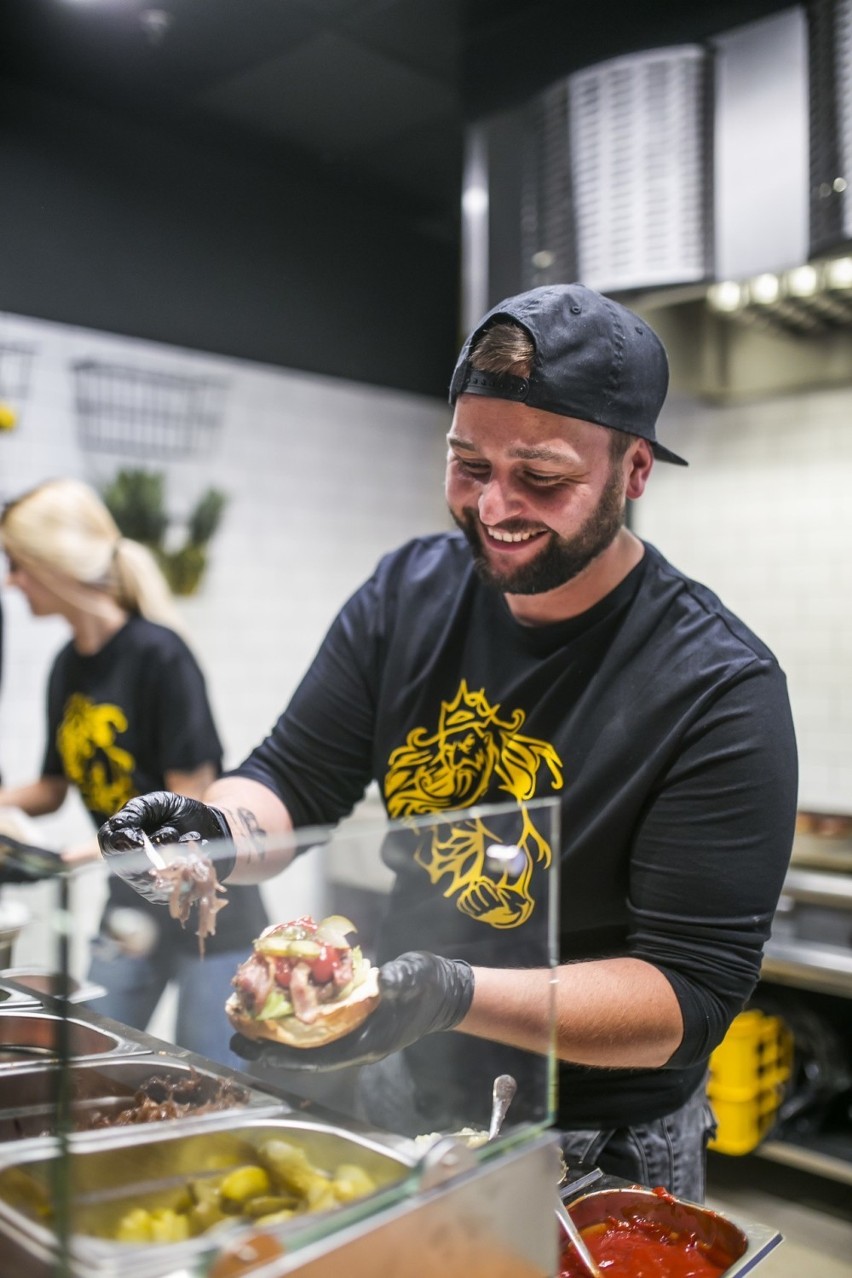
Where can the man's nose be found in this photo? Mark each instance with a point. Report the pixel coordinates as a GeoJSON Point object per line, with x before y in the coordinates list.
{"type": "Point", "coordinates": [497, 502]}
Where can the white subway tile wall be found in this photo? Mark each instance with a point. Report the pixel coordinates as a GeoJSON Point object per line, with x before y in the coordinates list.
{"type": "Point", "coordinates": [322, 476]}
{"type": "Point", "coordinates": [761, 517]}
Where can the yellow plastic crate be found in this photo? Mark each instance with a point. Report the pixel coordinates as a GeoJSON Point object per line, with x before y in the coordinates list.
{"type": "Point", "coordinates": [749, 1074]}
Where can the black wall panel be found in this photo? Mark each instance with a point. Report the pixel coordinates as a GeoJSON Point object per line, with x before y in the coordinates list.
{"type": "Point", "coordinates": [142, 231]}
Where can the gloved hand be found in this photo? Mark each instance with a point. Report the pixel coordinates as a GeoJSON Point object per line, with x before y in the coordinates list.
{"type": "Point", "coordinates": [422, 993]}
{"type": "Point", "coordinates": [24, 863]}
{"type": "Point", "coordinates": [162, 817]}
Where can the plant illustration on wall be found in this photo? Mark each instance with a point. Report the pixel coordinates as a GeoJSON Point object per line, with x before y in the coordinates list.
{"type": "Point", "coordinates": [136, 500]}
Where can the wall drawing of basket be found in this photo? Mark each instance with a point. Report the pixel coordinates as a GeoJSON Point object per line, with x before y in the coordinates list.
{"type": "Point", "coordinates": [145, 412]}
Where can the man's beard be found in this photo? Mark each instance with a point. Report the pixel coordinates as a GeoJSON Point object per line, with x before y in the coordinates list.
{"type": "Point", "coordinates": [561, 558]}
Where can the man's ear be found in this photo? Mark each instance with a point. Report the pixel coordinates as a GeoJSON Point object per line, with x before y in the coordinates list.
{"type": "Point", "coordinates": [638, 463]}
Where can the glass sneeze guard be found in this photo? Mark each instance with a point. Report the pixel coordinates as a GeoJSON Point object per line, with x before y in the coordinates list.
{"type": "Point", "coordinates": [479, 884]}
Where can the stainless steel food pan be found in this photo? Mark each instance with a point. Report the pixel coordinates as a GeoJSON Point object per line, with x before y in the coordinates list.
{"type": "Point", "coordinates": [118, 1172]}
{"type": "Point", "coordinates": [35, 1034]}
{"type": "Point", "coordinates": [103, 1094]}
{"type": "Point", "coordinates": [42, 981]}
{"type": "Point", "coordinates": [12, 996]}
{"type": "Point", "coordinates": [745, 1246]}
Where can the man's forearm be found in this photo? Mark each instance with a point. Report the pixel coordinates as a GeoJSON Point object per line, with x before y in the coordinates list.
{"type": "Point", "coordinates": [260, 825]}
{"type": "Point", "coordinates": [611, 1013]}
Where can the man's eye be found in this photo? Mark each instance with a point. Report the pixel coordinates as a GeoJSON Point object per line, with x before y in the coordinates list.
{"type": "Point", "coordinates": [476, 469]}
{"type": "Point", "coordinates": [543, 481]}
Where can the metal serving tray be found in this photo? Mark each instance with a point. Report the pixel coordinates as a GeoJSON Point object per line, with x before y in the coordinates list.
{"type": "Point", "coordinates": [33, 1033]}
{"type": "Point", "coordinates": [103, 1090]}
{"type": "Point", "coordinates": [746, 1245]}
{"type": "Point", "coordinates": [12, 996]}
{"type": "Point", "coordinates": [41, 981]}
{"type": "Point", "coordinates": [112, 1173]}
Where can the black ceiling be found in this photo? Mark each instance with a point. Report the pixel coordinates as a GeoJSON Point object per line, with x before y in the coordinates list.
{"type": "Point", "coordinates": [372, 92]}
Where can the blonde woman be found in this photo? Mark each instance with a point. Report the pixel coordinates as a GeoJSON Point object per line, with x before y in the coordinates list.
{"type": "Point", "coordinates": [127, 712]}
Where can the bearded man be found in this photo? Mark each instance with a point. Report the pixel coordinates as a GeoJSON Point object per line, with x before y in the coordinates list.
{"type": "Point", "coordinates": [542, 650]}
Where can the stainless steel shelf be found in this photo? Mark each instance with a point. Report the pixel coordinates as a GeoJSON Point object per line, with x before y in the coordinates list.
{"type": "Point", "coordinates": [818, 887]}
{"type": "Point", "coordinates": [823, 853]}
{"type": "Point", "coordinates": [808, 965]}
{"type": "Point", "coordinates": [822, 1157]}
{"type": "Point", "coordinates": [815, 904]}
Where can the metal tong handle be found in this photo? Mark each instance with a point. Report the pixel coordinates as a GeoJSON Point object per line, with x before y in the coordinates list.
{"type": "Point", "coordinates": [157, 860]}
{"type": "Point", "coordinates": [587, 1260]}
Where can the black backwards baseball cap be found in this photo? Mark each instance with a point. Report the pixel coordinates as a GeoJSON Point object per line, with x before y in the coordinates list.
{"type": "Point", "coordinates": [594, 360]}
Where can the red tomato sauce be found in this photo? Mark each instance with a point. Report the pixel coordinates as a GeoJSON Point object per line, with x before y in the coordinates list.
{"type": "Point", "coordinates": [644, 1249]}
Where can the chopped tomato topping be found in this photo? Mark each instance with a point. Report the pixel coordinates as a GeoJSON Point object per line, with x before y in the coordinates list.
{"type": "Point", "coordinates": [322, 968]}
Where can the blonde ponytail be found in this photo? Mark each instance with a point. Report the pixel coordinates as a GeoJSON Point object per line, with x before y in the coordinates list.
{"type": "Point", "coordinates": [64, 535]}
{"type": "Point", "coordinates": [139, 584]}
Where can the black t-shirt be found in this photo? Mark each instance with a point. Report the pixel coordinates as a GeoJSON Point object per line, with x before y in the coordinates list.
{"type": "Point", "coordinates": [660, 721]}
{"type": "Point", "coordinates": [121, 718]}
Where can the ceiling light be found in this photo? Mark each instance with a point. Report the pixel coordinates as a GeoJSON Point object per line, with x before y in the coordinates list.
{"type": "Point", "coordinates": [801, 281]}
{"type": "Point", "coordinates": [764, 289]}
{"type": "Point", "coordinates": [155, 23]}
{"type": "Point", "coordinates": [475, 200]}
{"type": "Point", "coordinates": [726, 296]}
{"type": "Point", "coordinates": [808, 299]}
{"type": "Point", "coordinates": [838, 273]}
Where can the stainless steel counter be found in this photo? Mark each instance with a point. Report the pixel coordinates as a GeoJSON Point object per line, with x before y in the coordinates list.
{"type": "Point", "coordinates": [456, 1213]}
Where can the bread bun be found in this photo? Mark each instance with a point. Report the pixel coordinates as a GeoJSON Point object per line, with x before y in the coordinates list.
{"type": "Point", "coordinates": [333, 1020]}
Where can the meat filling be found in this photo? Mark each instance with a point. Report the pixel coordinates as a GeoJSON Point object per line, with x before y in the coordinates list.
{"type": "Point", "coordinates": [190, 881]}
{"type": "Point", "coordinates": [259, 975]}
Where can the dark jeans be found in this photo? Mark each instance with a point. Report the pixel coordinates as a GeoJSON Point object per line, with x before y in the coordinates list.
{"type": "Point", "coordinates": [134, 985]}
{"type": "Point", "coordinates": [670, 1151]}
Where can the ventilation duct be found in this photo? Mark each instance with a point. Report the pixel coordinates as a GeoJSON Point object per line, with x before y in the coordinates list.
{"type": "Point", "coordinates": [641, 170]}
{"type": "Point", "coordinates": [830, 60]}
{"type": "Point", "coordinates": [761, 147]}
{"type": "Point", "coordinates": [707, 184]}
{"type": "Point", "coordinates": [617, 174]}
{"type": "Point", "coordinates": [674, 167]}
{"type": "Point", "coordinates": [548, 230]}
{"type": "Point", "coordinates": [605, 176]}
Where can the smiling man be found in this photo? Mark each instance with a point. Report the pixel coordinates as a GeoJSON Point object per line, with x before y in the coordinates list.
{"type": "Point", "coordinates": [542, 649]}
{"type": "Point", "coordinates": [539, 501]}
{"type": "Point", "coordinates": [537, 488]}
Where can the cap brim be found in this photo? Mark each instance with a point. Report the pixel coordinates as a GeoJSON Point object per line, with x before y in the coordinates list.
{"type": "Point", "coordinates": [666, 455]}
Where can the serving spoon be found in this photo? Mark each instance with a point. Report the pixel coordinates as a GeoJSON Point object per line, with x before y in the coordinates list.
{"type": "Point", "coordinates": [587, 1260]}
{"type": "Point", "coordinates": [454, 1153]}
{"type": "Point", "coordinates": [502, 1094]}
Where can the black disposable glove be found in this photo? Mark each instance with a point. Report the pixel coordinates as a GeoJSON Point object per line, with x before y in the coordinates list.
{"type": "Point", "coordinates": [164, 818]}
{"type": "Point", "coordinates": [24, 863]}
{"type": "Point", "coordinates": [421, 994]}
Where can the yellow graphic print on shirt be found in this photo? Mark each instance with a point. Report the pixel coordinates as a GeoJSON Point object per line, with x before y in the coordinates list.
{"type": "Point", "coordinates": [101, 770]}
{"type": "Point", "coordinates": [453, 767]}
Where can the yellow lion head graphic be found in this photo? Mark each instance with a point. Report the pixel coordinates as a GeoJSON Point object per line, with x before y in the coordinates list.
{"type": "Point", "coordinates": [455, 767]}
{"type": "Point", "coordinates": [101, 770]}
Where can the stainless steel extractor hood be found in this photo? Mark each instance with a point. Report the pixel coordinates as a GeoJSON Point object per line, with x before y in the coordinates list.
{"type": "Point", "coordinates": [714, 237]}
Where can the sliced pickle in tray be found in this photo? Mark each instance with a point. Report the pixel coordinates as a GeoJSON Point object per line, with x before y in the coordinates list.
{"type": "Point", "coordinates": [196, 1186]}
